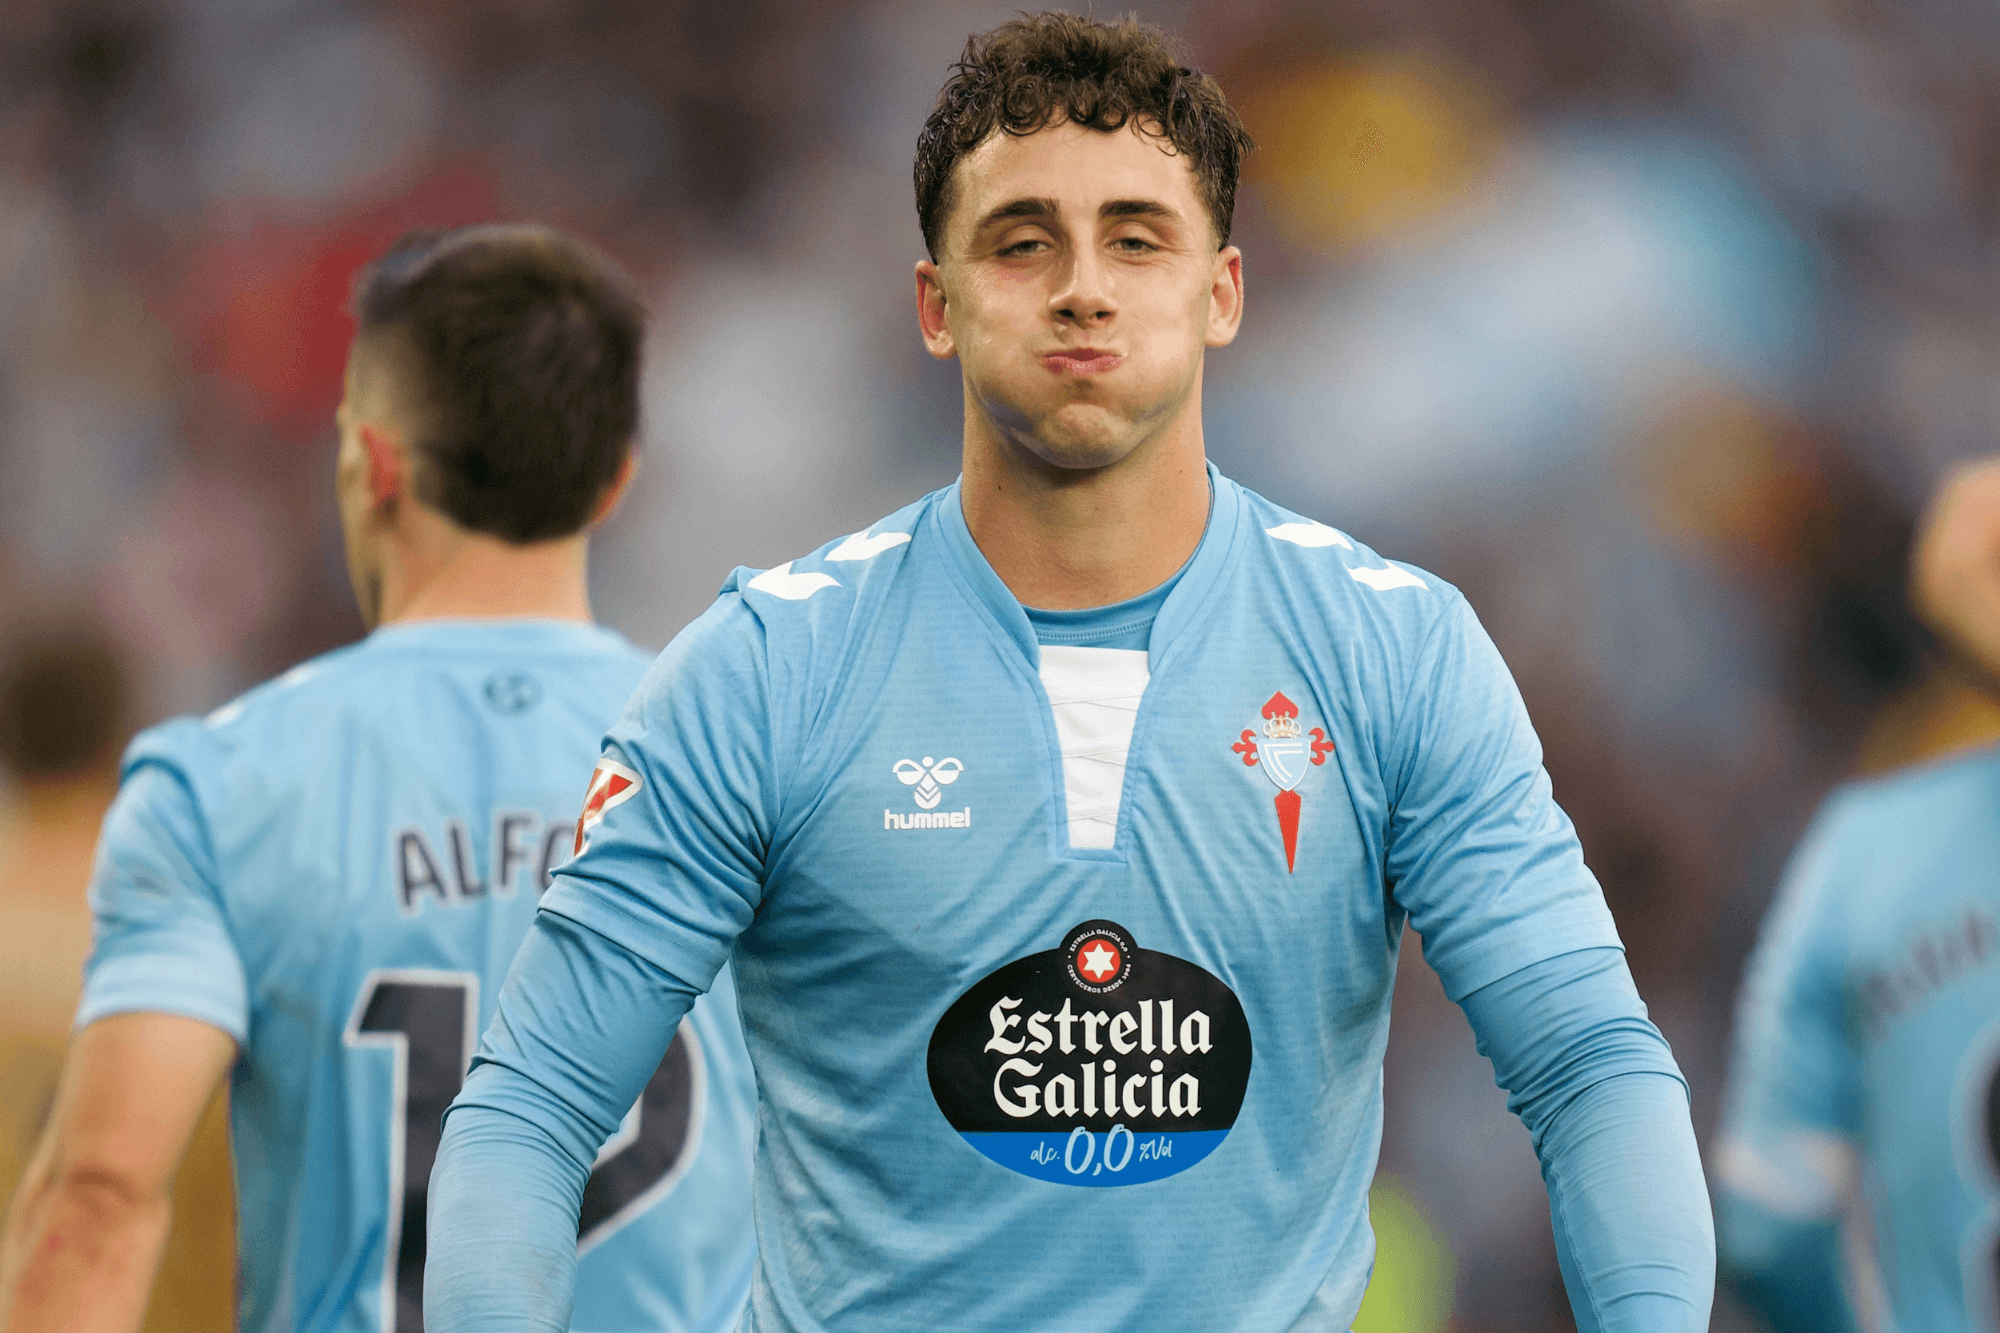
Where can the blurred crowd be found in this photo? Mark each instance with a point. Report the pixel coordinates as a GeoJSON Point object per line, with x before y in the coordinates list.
{"type": "Point", "coordinates": [1647, 322]}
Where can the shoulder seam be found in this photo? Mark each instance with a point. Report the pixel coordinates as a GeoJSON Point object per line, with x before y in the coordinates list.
{"type": "Point", "coordinates": [1422, 655]}
{"type": "Point", "coordinates": [171, 767]}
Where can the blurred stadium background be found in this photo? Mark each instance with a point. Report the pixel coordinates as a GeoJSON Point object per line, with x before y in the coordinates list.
{"type": "Point", "coordinates": [1648, 322]}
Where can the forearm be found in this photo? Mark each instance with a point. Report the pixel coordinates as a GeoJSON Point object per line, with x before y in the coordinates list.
{"type": "Point", "coordinates": [79, 1253]}
{"type": "Point", "coordinates": [1630, 1209]}
{"type": "Point", "coordinates": [502, 1252]}
{"type": "Point", "coordinates": [581, 1025]}
{"type": "Point", "coordinates": [1607, 1110]}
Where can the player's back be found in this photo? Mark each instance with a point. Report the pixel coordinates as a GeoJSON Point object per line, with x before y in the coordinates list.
{"type": "Point", "coordinates": [373, 831]}
{"type": "Point", "coordinates": [1872, 1014]}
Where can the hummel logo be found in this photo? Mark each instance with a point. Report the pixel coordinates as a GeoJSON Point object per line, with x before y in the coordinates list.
{"type": "Point", "coordinates": [929, 778]}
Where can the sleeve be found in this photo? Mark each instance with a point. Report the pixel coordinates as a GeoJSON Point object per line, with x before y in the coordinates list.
{"type": "Point", "coordinates": [582, 1024]}
{"type": "Point", "coordinates": [1477, 851]}
{"type": "Point", "coordinates": [678, 818]}
{"type": "Point", "coordinates": [160, 940]}
{"type": "Point", "coordinates": [675, 827]}
{"type": "Point", "coordinates": [1792, 1116]}
{"type": "Point", "coordinates": [1607, 1110]}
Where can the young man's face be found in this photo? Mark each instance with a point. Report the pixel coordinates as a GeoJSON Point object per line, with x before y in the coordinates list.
{"type": "Point", "coordinates": [1078, 284]}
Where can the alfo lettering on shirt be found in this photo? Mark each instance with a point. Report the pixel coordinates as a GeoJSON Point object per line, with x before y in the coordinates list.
{"type": "Point", "coordinates": [1286, 753]}
{"type": "Point", "coordinates": [447, 868]}
{"type": "Point", "coordinates": [1097, 1063]}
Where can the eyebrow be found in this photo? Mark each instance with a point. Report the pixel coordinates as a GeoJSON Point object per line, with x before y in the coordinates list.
{"type": "Point", "coordinates": [1022, 208]}
{"type": "Point", "coordinates": [1043, 207]}
{"type": "Point", "coordinates": [1139, 208]}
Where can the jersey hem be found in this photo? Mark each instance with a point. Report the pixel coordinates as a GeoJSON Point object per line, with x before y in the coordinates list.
{"type": "Point", "coordinates": [94, 1008]}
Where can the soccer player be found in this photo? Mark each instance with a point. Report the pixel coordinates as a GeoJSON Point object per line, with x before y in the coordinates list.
{"type": "Point", "coordinates": [1063, 828]}
{"type": "Point", "coordinates": [1867, 1060]}
{"type": "Point", "coordinates": [317, 889]}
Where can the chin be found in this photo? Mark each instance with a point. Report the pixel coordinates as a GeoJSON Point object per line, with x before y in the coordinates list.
{"type": "Point", "coordinates": [1081, 441]}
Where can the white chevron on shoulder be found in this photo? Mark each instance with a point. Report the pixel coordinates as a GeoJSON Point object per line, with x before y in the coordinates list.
{"type": "Point", "coordinates": [1381, 580]}
{"type": "Point", "coordinates": [1309, 534]}
{"type": "Point", "coordinates": [861, 546]}
{"type": "Point", "coordinates": [781, 582]}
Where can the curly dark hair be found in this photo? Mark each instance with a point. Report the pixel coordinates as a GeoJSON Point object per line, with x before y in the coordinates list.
{"type": "Point", "coordinates": [1040, 68]}
{"type": "Point", "coordinates": [522, 346]}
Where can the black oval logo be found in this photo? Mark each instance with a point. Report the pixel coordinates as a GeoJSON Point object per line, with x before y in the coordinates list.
{"type": "Point", "coordinates": [1096, 1063]}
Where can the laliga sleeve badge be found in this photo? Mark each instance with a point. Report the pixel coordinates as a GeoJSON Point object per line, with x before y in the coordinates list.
{"type": "Point", "coordinates": [1097, 1063]}
{"type": "Point", "coordinates": [611, 784]}
{"type": "Point", "coordinates": [1287, 756]}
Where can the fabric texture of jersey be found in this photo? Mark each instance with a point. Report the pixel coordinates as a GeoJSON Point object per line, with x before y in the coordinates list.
{"type": "Point", "coordinates": [1140, 1079]}
{"type": "Point", "coordinates": [1868, 1034]}
{"type": "Point", "coordinates": [337, 870]}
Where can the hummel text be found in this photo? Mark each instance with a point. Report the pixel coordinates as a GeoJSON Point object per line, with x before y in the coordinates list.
{"type": "Point", "coordinates": [941, 819]}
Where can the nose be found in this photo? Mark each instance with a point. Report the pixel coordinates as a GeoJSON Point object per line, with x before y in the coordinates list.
{"type": "Point", "coordinates": [1083, 295]}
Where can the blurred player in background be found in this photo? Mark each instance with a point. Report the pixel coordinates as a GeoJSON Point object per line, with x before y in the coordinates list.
{"type": "Point", "coordinates": [1063, 828]}
{"type": "Point", "coordinates": [1867, 1060]}
{"type": "Point", "coordinates": [317, 888]}
{"type": "Point", "coordinates": [63, 716]}
{"type": "Point", "coordinates": [1956, 578]}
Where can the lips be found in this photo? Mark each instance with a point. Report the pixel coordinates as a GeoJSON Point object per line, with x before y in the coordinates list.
{"type": "Point", "coordinates": [1081, 361]}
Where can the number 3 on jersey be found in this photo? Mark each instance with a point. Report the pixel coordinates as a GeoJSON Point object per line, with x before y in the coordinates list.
{"type": "Point", "coordinates": [428, 1021]}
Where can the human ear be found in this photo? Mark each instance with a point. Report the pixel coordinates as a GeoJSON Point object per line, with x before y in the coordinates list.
{"type": "Point", "coordinates": [931, 312]}
{"type": "Point", "coordinates": [385, 467]}
{"type": "Point", "coordinates": [1225, 298]}
{"type": "Point", "coordinates": [614, 493]}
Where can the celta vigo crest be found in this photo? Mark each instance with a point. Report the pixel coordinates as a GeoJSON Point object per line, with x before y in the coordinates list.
{"type": "Point", "coordinates": [1286, 753]}
{"type": "Point", "coordinates": [930, 778]}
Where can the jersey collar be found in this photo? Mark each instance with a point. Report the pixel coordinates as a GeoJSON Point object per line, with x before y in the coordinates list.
{"type": "Point", "coordinates": [494, 632]}
{"type": "Point", "coordinates": [1198, 577]}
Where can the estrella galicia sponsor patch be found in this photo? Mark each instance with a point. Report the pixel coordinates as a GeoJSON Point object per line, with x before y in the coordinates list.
{"type": "Point", "coordinates": [1097, 1063]}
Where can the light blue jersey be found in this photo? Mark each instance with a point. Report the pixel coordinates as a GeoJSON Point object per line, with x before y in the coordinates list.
{"type": "Point", "coordinates": [1869, 1035]}
{"type": "Point", "coordinates": [336, 871]}
{"type": "Point", "coordinates": [1065, 942]}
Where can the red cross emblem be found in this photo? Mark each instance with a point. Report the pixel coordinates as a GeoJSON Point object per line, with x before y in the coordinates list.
{"type": "Point", "coordinates": [1287, 753]}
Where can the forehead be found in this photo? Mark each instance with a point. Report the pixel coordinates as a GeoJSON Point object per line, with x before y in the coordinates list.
{"type": "Point", "coordinates": [1076, 166]}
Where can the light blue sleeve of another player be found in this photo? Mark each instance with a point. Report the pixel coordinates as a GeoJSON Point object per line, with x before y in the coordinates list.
{"type": "Point", "coordinates": [160, 940]}
{"type": "Point", "coordinates": [1478, 853]}
{"type": "Point", "coordinates": [1792, 1116]}
{"type": "Point", "coordinates": [1607, 1110]}
{"type": "Point", "coordinates": [627, 936]}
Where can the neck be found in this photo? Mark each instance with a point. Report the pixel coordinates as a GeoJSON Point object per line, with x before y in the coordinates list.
{"type": "Point", "coordinates": [1064, 539]}
{"type": "Point", "coordinates": [451, 574]}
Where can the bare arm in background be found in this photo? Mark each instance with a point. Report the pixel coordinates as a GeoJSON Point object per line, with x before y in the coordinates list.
{"type": "Point", "coordinates": [1955, 568]}
{"type": "Point", "coordinates": [84, 1235]}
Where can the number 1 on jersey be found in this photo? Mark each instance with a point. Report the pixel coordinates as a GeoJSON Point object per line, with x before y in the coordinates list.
{"type": "Point", "coordinates": [428, 1020]}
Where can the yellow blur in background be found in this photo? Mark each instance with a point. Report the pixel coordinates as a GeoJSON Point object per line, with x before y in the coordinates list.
{"type": "Point", "coordinates": [1359, 148]}
{"type": "Point", "coordinates": [1410, 1291]}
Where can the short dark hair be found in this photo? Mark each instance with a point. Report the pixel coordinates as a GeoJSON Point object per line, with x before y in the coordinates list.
{"type": "Point", "coordinates": [522, 350]}
{"type": "Point", "coordinates": [1039, 68]}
